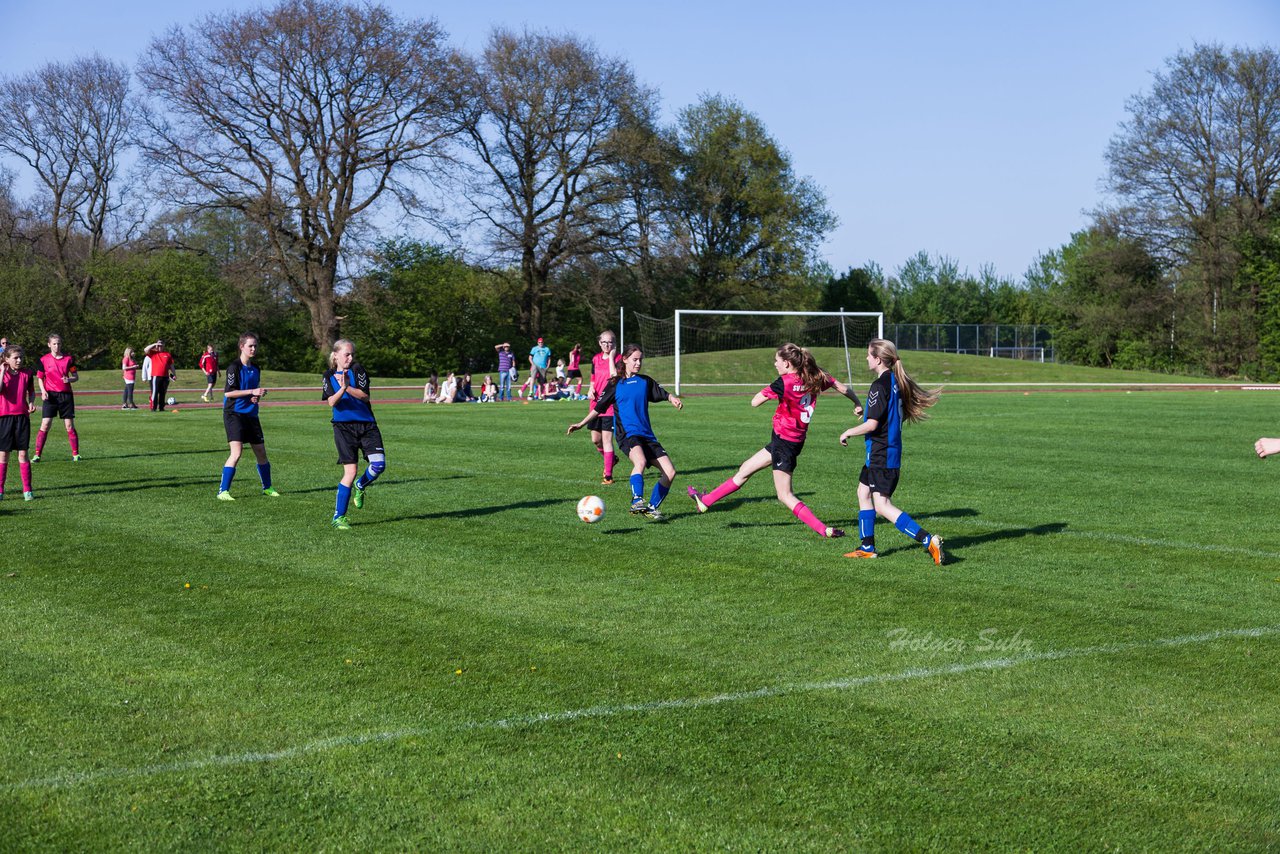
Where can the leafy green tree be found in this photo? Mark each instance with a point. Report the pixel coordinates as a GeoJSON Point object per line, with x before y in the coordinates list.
{"type": "Point", "coordinates": [1260, 271]}
{"type": "Point", "coordinates": [852, 290]}
{"type": "Point", "coordinates": [420, 309]}
{"type": "Point", "coordinates": [750, 226]}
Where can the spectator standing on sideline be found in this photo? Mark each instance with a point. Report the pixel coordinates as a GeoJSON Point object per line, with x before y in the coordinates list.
{"type": "Point", "coordinates": [128, 370]}
{"type": "Point", "coordinates": [54, 377]}
{"type": "Point", "coordinates": [161, 373]}
{"type": "Point", "coordinates": [506, 361]}
{"type": "Point", "coordinates": [209, 367]}
{"type": "Point", "coordinates": [539, 359]}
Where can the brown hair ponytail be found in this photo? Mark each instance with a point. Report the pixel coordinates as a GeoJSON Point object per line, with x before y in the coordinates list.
{"type": "Point", "coordinates": [812, 377]}
{"type": "Point", "coordinates": [915, 398]}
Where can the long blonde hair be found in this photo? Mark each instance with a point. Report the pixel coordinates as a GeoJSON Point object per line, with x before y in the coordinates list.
{"type": "Point", "coordinates": [813, 378]}
{"type": "Point", "coordinates": [915, 398]}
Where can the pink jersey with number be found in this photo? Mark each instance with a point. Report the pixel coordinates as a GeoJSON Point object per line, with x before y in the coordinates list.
{"type": "Point", "coordinates": [14, 392]}
{"type": "Point", "coordinates": [600, 376]}
{"type": "Point", "coordinates": [54, 371]}
{"type": "Point", "coordinates": [795, 405]}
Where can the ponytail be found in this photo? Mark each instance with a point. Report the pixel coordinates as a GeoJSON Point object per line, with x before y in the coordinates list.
{"type": "Point", "coordinates": [812, 378]}
{"type": "Point", "coordinates": [915, 398]}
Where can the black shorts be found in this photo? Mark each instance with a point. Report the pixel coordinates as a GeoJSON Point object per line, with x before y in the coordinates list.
{"type": "Point", "coordinates": [603, 423]}
{"type": "Point", "coordinates": [15, 433]}
{"type": "Point", "coordinates": [211, 379]}
{"type": "Point", "coordinates": [242, 428]}
{"type": "Point", "coordinates": [352, 437]}
{"type": "Point", "coordinates": [784, 453]}
{"type": "Point", "coordinates": [60, 403]}
{"type": "Point", "coordinates": [653, 451]}
{"type": "Point", "coordinates": [880, 481]}
{"type": "Point", "coordinates": [574, 374]}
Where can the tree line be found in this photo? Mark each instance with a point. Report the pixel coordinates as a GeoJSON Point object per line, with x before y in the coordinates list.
{"type": "Point", "coordinates": [247, 172]}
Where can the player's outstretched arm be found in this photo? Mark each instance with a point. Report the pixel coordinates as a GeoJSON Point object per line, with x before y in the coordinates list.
{"type": "Point", "coordinates": [1265, 447]}
{"type": "Point", "coordinates": [861, 430]}
{"type": "Point", "coordinates": [573, 428]}
{"type": "Point", "coordinates": [847, 391]}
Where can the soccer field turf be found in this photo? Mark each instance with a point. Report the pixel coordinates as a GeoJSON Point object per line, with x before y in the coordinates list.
{"type": "Point", "coordinates": [472, 667]}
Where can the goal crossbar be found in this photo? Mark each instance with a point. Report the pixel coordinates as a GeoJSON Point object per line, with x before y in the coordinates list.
{"type": "Point", "coordinates": [682, 312]}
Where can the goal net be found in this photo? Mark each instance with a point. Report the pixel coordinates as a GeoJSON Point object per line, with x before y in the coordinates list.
{"type": "Point", "coordinates": [703, 349]}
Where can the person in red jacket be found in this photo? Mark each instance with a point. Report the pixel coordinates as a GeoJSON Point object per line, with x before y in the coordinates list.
{"type": "Point", "coordinates": [209, 367]}
{"type": "Point", "coordinates": [161, 373]}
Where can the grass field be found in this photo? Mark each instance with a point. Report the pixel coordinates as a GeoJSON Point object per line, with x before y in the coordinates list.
{"type": "Point", "coordinates": [473, 668]}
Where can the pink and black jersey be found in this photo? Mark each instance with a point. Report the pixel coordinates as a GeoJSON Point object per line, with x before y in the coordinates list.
{"type": "Point", "coordinates": [600, 376]}
{"type": "Point", "coordinates": [795, 405]}
{"type": "Point", "coordinates": [15, 391]}
{"type": "Point", "coordinates": [54, 371]}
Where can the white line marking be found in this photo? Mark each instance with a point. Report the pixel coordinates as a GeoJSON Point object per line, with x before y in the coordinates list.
{"type": "Point", "coordinates": [1129, 539]}
{"type": "Point", "coordinates": [63, 781]}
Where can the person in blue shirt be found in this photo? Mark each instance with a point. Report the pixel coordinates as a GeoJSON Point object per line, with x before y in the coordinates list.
{"type": "Point", "coordinates": [241, 393]}
{"type": "Point", "coordinates": [346, 390]}
{"type": "Point", "coordinates": [894, 397]}
{"type": "Point", "coordinates": [539, 359]}
{"type": "Point", "coordinates": [630, 395]}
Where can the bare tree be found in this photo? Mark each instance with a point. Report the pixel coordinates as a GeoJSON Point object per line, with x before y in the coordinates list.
{"type": "Point", "coordinates": [546, 109]}
{"type": "Point", "coordinates": [303, 118]}
{"type": "Point", "coordinates": [1195, 166]}
{"type": "Point", "coordinates": [70, 124]}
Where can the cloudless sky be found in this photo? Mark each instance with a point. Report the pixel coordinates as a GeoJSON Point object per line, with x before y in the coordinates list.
{"type": "Point", "coordinates": [974, 130]}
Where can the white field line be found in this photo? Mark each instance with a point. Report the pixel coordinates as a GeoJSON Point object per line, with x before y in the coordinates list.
{"type": "Point", "coordinates": [1126, 539]}
{"type": "Point", "coordinates": [78, 778]}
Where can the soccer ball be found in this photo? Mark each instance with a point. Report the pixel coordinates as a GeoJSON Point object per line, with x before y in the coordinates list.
{"type": "Point", "coordinates": [171, 401]}
{"type": "Point", "coordinates": [591, 509]}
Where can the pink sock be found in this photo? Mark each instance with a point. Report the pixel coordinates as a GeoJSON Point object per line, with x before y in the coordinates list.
{"type": "Point", "coordinates": [74, 440]}
{"type": "Point", "coordinates": [726, 488]}
{"type": "Point", "coordinates": [804, 514]}
{"type": "Point", "coordinates": [609, 459]}
{"type": "Point", "coordinates": [24, 469]}
{"type": "Point", "coordinates": [4, 471]}
{"type": "Point", "coordinates": [40, 437]}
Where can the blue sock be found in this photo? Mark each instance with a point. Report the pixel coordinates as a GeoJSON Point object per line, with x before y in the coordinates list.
{"type": "Point", "coordinates": [228, 472]}
{"type": "Point", "coordinates": [637, 486]}
{"type": "Point", "coordinates": [264, 472]}
{"type": "Point", "coordinates": [344, 497]}
{"type": "Point", "coordinates": [660, 491]}
{"type": "Point", "coordinates": [908, 526]}
{"type": "Point", "coordinates": [867, 525]}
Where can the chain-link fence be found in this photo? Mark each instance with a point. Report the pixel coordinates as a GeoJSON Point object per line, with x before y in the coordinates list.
{"type": "Point", "coordinates": [975, 339]}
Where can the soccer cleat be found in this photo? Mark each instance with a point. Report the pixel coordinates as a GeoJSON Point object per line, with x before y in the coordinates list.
{"type": "Point", "coordinates": [35, 458]}
{"type": "Point", "coordinates": [357, 497]}
{"type": "Point", "coordinates": [697, 499]}
{"type": "Point", "coordinates": [28, 496]}
{"type": "Point", "coordinates": [205, 398]}
{"type": "Point", "coordinates": [862, 551]}
{"type": "Point", "coordinates": [606, 481]}
{"type": "Point", "coordinates": [934, 548]}
{"type": "Point", "coordinates": [225, 496]}
{"type": "Point", "coordinates": [75, 458]}
{"type": "Point", "coordinates": [654, 513]}
{"type": "Point", "coordinates": [270, 492]}
{"type": "Point", "coordinates": [340, 523]}
{"type": "Point", "coordinates": [125, 408]}
{"type": "Point", "coordinates": [834, 533]}
{"type": "Point", "coordinates": [639, 505]}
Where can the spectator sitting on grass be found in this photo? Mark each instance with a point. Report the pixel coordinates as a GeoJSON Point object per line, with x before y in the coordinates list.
{"type": "Point", "coordinates": [429, 390]}
{"type": "Point", "coordinates": [448, 389]}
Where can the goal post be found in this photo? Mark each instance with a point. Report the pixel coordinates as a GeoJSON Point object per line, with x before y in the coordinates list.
{"type": "Point", "coordinates": [844, 331]}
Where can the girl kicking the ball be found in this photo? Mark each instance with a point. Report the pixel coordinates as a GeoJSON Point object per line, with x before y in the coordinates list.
{"type": "Point", "coordinates": [796, 389]}
{"type": "Point", "coordinates": [241, 393]}
{"type": "Point", "coordinates": [630, 395]}
{"type": "Point", "coordinates": [893, 396]}
{"type": "Point", "coordinates": [355, 430]}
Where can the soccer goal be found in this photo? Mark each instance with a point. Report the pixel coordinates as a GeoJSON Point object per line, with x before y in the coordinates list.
{"type": "Point", "coordinates": [1028, 354]}
{"type": "Point", "coordinates": [703, 348]}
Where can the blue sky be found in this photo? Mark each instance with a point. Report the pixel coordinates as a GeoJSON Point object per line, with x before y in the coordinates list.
{"type": "Point", "coordinates": [974, 130]}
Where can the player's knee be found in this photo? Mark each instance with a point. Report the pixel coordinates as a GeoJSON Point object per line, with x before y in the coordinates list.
{"type": "Point", "coordinates": [378, 468]}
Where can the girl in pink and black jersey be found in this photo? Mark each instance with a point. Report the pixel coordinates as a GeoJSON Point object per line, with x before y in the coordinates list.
{"type": "Point", "coordinates": [17, 402]}
{"type": "Point", "coordinates": [796, 389]}
{"type": "Point", "coordinates": [605, 365]}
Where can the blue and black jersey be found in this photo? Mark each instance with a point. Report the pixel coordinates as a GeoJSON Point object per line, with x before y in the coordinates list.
{"type": "Point", "coordinates": [349, 408]}
{"type": "Point", "coordinates": [630, 397]}
{"type": "Point", "coordinates": [884, 444]}
{"type": "Point", "coordinates": [241, 377]}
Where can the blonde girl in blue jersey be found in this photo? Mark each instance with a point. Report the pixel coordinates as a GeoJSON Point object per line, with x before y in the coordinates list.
{"type": "Point", "coordinates": [893, 396]}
